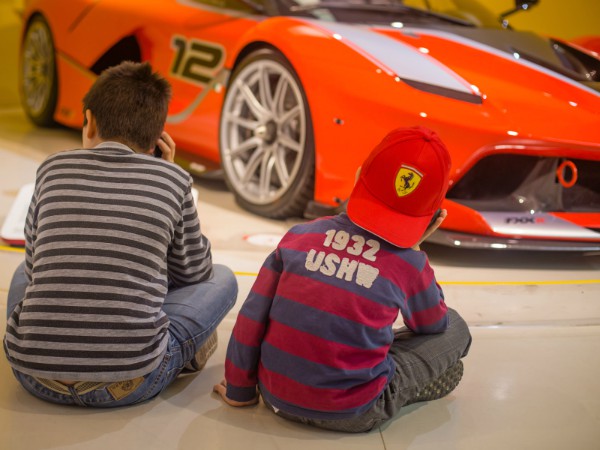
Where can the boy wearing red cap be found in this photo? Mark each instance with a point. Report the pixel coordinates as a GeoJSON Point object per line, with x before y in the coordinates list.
{"type": "Point", "coordinates": [315, 333]}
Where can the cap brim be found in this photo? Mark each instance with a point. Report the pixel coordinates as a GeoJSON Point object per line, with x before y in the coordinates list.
{"type": "Point", "coordinates": [374, 216]}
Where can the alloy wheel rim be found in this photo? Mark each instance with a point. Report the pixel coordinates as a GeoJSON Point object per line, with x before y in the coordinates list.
{"type": "Point", "coordinates": [38, 68]}
{"type": "Point", "coordinates": [264, 132]}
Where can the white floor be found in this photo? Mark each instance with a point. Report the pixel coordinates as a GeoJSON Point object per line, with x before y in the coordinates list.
{"type": "Point", "coordinates": [531, 380]}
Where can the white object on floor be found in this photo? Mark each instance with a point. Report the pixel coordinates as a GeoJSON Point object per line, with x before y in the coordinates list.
{"type": "Point", "coordinates": [13, 229]}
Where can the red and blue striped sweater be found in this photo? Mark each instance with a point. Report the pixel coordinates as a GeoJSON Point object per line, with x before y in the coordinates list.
{"type": "Point", "coordinates": [315, 330]}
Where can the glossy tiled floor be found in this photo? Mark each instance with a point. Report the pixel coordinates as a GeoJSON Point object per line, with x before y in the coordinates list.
{"type": "Point", "coordinates": [531, 380]}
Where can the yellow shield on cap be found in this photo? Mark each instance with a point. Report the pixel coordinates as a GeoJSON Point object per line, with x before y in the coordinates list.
{"type": "Point", "coordinates": [407, 180]}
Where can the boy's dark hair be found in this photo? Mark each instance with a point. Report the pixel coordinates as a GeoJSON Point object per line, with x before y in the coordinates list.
{"type": "Point", "coordinates": [130, 104]}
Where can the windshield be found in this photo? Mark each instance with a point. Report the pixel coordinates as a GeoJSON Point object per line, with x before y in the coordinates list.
{"type": "Point", "coordinates": [467, 13]}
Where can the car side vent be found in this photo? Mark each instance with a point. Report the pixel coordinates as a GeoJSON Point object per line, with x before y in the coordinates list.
{"type": "Point", "coordinates": [577, 61]}
{"type": "Point", "coordinates": [127, 49]}
{"type": "Point", "coordinates": [570, 62]}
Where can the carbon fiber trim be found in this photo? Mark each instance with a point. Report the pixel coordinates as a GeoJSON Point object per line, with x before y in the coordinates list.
{"type": "Point", "coordinates": [445, 92]}
{"type": "Point", "coordinates": [463, 240]}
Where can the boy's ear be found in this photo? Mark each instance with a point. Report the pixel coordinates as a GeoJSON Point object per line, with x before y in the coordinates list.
{"type": "Point", "coordinates": [91, 130]}
{"type": "Point", "coordinates": [357, 176]}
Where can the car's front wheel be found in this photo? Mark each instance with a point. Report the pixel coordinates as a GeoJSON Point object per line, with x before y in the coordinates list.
{"type": "Point", "coordinates": [266, 137]}
{"type": "Point", "coordinates": [38, 82]}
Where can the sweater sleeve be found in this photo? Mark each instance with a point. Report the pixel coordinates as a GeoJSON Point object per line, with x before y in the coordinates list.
{"type": "Point", "coordinates": [425, 310]}
{"type": "Point", "coordinates": [30, 232]}
{"type": "Point", "coordinates": [243, 352]}
{"type": "Point", "coordinates": [189, 260]}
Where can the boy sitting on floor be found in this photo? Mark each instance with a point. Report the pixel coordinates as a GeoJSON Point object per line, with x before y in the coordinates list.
{"type": "Point", "coordinates": [118, 293]}
{"type": "Point", "coordinates": [315, 333]}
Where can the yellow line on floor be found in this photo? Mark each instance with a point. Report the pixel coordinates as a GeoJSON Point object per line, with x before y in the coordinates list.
{"type": "Point", "coordinates": [7, 248]}
{"type": "Point", "coordinates": [246, 274]}
{"type": "Point", "coordinates": [486, 283]}
{"type": "Point", "coordinates": [517, 283]}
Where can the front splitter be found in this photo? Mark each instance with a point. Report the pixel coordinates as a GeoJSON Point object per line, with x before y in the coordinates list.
{"type": "Point", "coordinates": [463, 240]}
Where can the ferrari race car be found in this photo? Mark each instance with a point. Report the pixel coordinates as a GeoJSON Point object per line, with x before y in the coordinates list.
{"type": "Point", "coordinates": [288, 96]}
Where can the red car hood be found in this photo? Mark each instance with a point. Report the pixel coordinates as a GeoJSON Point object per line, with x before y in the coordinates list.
{"type": "Point", "coordinates": [518, 77]}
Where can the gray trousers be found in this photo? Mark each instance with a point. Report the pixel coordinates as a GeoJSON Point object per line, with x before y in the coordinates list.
{"type": "Point", "coordinates": [420, 359]}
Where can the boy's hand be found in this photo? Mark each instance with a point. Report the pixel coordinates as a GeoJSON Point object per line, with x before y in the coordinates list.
{"type": "Point", "coordinates": [221, 389]}
{"type": "Point", "coordinates": [429, 231]}
{"type": "Point", "coordinates": [167, 146]}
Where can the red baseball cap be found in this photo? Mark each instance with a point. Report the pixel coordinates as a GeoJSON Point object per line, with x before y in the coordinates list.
{"type": "Point", "coordinates": [401, 185]}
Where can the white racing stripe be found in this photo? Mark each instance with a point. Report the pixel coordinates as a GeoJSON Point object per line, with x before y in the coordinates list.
{"type": "Point", "coordinates": [402, 59]}
{"type": "Point", "coordinates": [499, 53]}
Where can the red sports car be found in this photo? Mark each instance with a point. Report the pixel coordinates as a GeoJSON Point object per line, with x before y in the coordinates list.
{"type": "Point", "coordinates": [288, 96]}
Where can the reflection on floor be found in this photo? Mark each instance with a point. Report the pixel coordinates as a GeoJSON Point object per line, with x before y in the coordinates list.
{"type": "Point", "coordinates": [531, 379]}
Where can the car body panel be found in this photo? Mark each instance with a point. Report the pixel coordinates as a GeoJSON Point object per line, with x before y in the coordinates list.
{"type": "Point", "coordinates": [471, 86]}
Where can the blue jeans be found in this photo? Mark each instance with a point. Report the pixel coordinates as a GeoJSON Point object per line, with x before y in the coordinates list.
{"type": "Point", "coordinates": [194, 313]}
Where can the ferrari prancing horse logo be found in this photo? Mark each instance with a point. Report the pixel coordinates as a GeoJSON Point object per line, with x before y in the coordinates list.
{"type": "Point", "coordinates": [407, 180]}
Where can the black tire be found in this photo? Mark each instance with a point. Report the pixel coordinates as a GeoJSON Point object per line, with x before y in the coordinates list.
{"type": "Point", "coordinates": [266, 137]}
{"type": "Point", "coordinates": [38, 81]}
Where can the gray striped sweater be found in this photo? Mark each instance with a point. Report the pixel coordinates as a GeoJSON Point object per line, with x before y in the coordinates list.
{"type": "Point", "coordinates": [108, 231]}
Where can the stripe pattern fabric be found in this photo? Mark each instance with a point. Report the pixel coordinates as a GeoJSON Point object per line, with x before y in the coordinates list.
{"type": "Point", "coordinates": [107, 233]}
{"type": "Point", "coordinates": [315, 330]}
